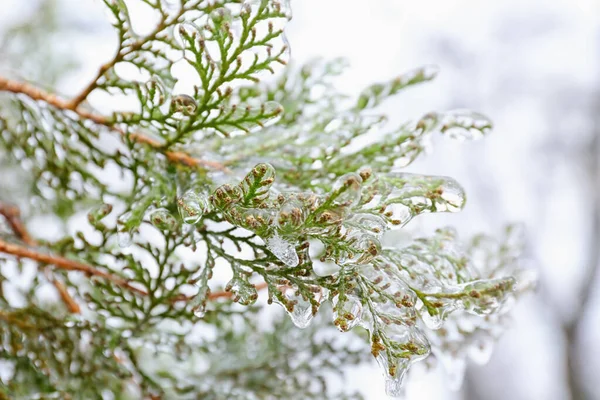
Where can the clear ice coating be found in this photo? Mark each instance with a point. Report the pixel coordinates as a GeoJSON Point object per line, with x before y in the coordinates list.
{"type": "Point", "coordinates": [371, 223]}
{"type": "Point", "coordinates": [347, 313]}
{"type": "Point", "coordinates": [283, 250]}
{"type": "Point", "coordinates": [435, 318]}
{"type": "Point", "coordinates": [465, 124]}
{"type": "Point", "coordinates": [243, 291]}
{"type": "Point", "coordinates": [487, 296]}
{"type": "Point", "coordinates": [422, 193]}
{"type": "Point", "coordinates": [349, 188]}
{"type": "Point", "coordinates": [291, 215]}
{"type": "Point", "coordinates": [162, 219]}
{"type": "Point", "coordinates": [183, 105]}
{"type": "Point", "coordinates": [155, 92]}
{"type": "Point", "coordinates": [198, 303]}
{"type": "Point", "coordinates": [192, 206]}
{"type": "Point", "coordinates": [184, 31]}
{"type": "Point", "coordinates": [124, 234]}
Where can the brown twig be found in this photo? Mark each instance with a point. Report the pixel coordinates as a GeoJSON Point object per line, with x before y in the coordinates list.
{"type": "Point", "coordinates": [65, 263]}
{"type": "Point", "coordinates": [63, 293]}
{"type": "Point", "coordinates": [35, 93]}
{"type": "Point", "coordinates": [13, 217]}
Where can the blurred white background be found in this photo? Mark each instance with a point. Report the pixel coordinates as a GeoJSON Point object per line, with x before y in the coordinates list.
{"type": "Point", "coordinates": [532, 66]}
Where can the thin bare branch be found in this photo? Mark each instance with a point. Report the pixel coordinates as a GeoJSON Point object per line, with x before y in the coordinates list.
{"type": "Point", "coordinates": [64, 263]}
{"type": "Point", "coordinates": [13, 217]}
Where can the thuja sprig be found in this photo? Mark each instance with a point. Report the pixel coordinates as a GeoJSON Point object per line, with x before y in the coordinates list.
{"type": "Point", "coordinates": [273, 181]}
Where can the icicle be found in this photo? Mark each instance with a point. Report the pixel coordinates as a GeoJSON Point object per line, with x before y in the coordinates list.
{"type": "Point", "coordinates": [300, 310]}
{"type": "Point", "coordinates": [283, 250]}
{"type": "Point", "coordinates": [395, 362]}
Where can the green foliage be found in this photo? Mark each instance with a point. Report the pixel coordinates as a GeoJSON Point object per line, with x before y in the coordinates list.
{"type": "Point", "coordinates": [284, 182]}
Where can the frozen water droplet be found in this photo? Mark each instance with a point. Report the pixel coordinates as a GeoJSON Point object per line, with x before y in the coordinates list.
{"type": "Point", "coordinates": [465, 124]}
{"type": "Point", "coordinates": [435, 318]}
{"type": "Point", "coordinates": [244, 292]}
{"type": "Point", "coordinates": [348, 313]}
{"type": "Point", "coordinates": [155, 92]}
{"type": "Point", "coordinates": [283, 250]}
{"type": "Point", "coordinates": [198, 303]}
{"type": "Point", "coordinates": [399, 214]}
{"type": "Point", "coordinates": [199, 311]}
{"type": "Point", "coordinates": [192, 206]}
{"type": "Point", "coordinates": [221, 15]}
{"type": "Point", "coordinates": [347, 189]}
{"type": "Point", "coordinates": [225, 196]}
{"type": "Point", "coordinates": [124, 232]}
{"type": "Point", "coordinates": [162, 219]}
{"type": "Point", "coordinates": [183, 105]}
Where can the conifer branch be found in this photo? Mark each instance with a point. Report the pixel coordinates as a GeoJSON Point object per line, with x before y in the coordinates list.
{"type": "Point", "coordinates": [178, 157]}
